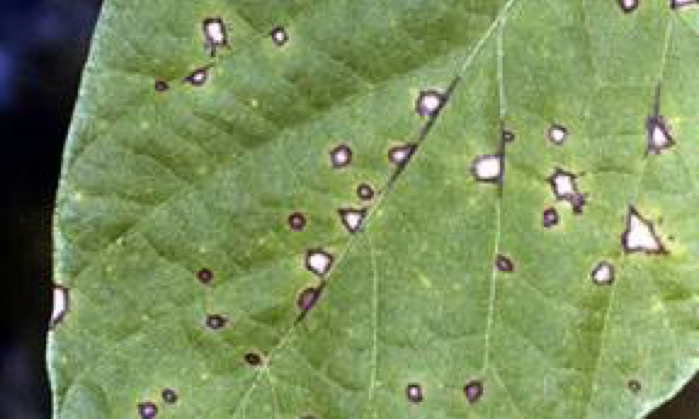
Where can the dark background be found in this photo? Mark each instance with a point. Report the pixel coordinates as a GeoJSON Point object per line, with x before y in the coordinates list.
{"type": "Point", "coordinates": [43, 45]}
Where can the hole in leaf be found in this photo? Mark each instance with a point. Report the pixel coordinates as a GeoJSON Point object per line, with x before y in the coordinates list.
{"type": "Point", "coordinates": [429, 103]}
{"type": "Point", "coordinates": [413, 392]}
{"type": "Point", "coordinates": [473, 391]}
{"type": "Point", "coordinates": [640, 235]}
{"type": "Point", "coordinates": [61, 305]}
{"type": "Point", "coordinates": [147, 410]}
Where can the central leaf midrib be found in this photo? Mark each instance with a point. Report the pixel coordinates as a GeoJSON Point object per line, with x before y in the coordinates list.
{"type": "Point", "coordinates": [422, 135]}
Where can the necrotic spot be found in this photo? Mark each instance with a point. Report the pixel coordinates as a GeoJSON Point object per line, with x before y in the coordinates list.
{"type": "Point", "coordinates": [401, 154]}
{"type": "Point", "coordinates": [253, 359]}
{"type": "Point", "coordinates": [658, 134]}
{"type": "Point", "coordinates": [341, 156]}
{"type": "Point", "coordinates": [634, 386]}
{"type": "Point", "coordinates": [205, 275]}
{"type": "Point", "coordinates": [169, 395]}
{"type": "Point", "coordinates": [351, 218]}
{"type": "Point", "coordinates": [640, 235]}
{"type": "Point", "coordinates": [487, 168]}
{"type": "Point", "coordinates": [365, 192]}
{"type": "Point", "coordinates": [565, 188]}
{"type": "Point", "coordinates": [628, 5]}
{"type": "Point", "coordinates": [550, 217]}
{"type": "Point", "coordinates": [678, 4]}
{"type": "Point", "coordinates": [429, 103]}
{"type": "Point", "coordinates": [473, 391]}
{"type": "Point", "coordinates": [161, 86]}
{"type": "Point", "coordinates": [215, 33]}
{"type": "Point", "coordinates": [508, 136]}
{"type": "Point", "coordinates": [557, 134]}
{"type": "Point", "coordinates": [147, 410]}
{"type": "Point", "coordinates": [198, 77]}
{"type": "Point", "coordinates": [61, 305]}
{"type": "Point", "coordinates": [413, 392]}
{"type": "Point", "coordinates": [603, 273]}
{"type": "Point", "coordinates": [504, 264]}
{"type": "Point", "coordinates": [296, 221]}
{"type": "Point", "coordinates": [279, 36]}
{"type": "Point", "coordinates": [307, 299]}
{"type": "Point", "coordinates": [318, 262]}
{"type": "Point", "coordinates": [216, 322]}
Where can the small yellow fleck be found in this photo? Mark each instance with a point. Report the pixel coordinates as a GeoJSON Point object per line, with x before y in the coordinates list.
{"type": "Point", "coordinates": [425, 281]}
{"type": "Point", "coordinates": [254, 103]}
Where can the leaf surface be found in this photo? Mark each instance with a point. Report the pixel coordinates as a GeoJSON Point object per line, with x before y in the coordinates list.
{"type": "Point", "coordinates": [361, 208]}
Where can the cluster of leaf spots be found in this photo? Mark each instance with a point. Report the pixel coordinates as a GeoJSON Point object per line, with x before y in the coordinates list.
{"type": "Point", "coordinates": [565, 188]}
{"type": "Point", "coordinates": [215, 37]}
{"type": "Point", "coordinates": [149, 409]}
{"type": "Point", "coordinates": [639, 235]}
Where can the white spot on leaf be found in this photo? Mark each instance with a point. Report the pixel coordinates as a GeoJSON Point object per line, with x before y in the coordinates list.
{"type": "Point", "coordinates": [279, 36]}
{"type": "Point", "coordinates": [352, 218]}
{"type": "Point", "coordinates": [565, 188]}
{"type": "Point", "coordinates": [628, 5]}
{"type": "Point", "coordinates": [603, 273]}
{"type": "Point", "coordinates": [400, 155]}
{"type": "Point", "coordinates": [487, 168]}
{"type": "Point", "coordinates": [215, 33]}
{"type": "Point", "coordinates": [429, 103]}
{"type": "Point", "coordinates": [319, 262]}
{"type": "Point", "coordinates": [640, 235]}
{"type": "Point", "coordinates": [678, 4]}
{"type": "Point", "coordinates": [61, 304]}
{"type": "Point", "coordinates": [341, 156]}
{"type": "Point", "coordinates": [659, 136]}
{"type": "Point", "coordinates": [198, 77]}
{"type": "Point", "coordinates": [558, 134]}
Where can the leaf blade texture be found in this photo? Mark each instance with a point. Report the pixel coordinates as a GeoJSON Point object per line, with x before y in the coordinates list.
{"type": "Point", "coordinates": [438, 208]}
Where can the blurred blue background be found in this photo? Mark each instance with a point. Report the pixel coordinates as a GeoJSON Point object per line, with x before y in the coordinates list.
{"type": "Point", "coordinates": [43, 46]}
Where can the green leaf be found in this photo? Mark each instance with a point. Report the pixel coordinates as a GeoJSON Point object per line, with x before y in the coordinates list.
{"type": "Point", "coordinates": [233, 239]}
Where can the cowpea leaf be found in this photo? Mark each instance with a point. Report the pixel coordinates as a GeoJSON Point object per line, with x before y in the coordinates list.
{"type": "Point", "coordinates": [362, 208]}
